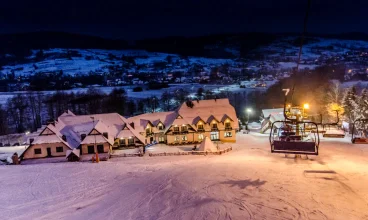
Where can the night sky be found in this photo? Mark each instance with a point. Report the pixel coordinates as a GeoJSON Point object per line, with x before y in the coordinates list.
{"type": "Point", "coordinates": [137, 19]}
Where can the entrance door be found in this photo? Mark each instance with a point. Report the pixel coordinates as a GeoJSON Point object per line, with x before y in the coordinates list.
{"type": "Point", "coordinates": [215, 136]}
{"type": "Point", "coordinates": [100, 148]}
{"type": "Point", "coordinates": [49, 152]}
{"type": "Point", "coordinates": [91, 149]}
{"type": "Point", "coordinates": [161, 139]}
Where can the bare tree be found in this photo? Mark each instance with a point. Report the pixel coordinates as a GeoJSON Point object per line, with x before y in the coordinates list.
{"type": "Point", "coordinates": [17, 106]}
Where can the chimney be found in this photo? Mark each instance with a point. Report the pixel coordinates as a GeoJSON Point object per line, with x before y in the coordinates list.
{"type": "Point", "coordinates": [132, 124]}
{"type": "Point", "coordinates": [31, 140]}
{"type": "Point", "coordinates": [83, 136]}
{"type": "Point", "coordinates": [105, 134]}
{"type": "Point", "coordinates": [63, 137]}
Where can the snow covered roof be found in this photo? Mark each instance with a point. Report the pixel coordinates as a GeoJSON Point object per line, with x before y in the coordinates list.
{"type": "Point", "coordinates": [48, 139]}
{"type": "Point", "coordinates": [76, 152]}
{"type": "Point", "coordinates": [267, 112]}
{"type": "Point", "coordinates": [91, 139]}
{"type": "Point", "coordinates": [67, 113]}
{"type": "Point", "coordinates": [141, 121]}
{"type": "Point", "coordinates": [135, 132]}
{"type": "Point", "coordinates": [208, 110]}
{"type": "Point", "coordinates": [275, 114]}
{"type": "Point", "coordinates": [125, 134]}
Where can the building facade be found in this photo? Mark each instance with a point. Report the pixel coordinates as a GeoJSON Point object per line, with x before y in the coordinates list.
{"type": "Point", "coordinates": [101, 133]}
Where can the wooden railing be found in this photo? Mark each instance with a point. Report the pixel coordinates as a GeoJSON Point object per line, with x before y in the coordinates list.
{"type": "Point", "coordinates": [220, 152]}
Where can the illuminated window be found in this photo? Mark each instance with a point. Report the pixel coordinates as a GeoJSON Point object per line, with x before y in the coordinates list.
{"type": "Point", "coordinates": [176, 129]}
{"type": "Point", "coordinates": [184, 128]}
{"type": "Point", "coordinates": [228, 134]}
{"type": "Point", "coordinates": [214, 126]}
{"type": "Point", "coordinates": [177, 138]}
{"type": "Point", "coordinates": [148, 130]}
{"type": "Point", "coordinates": [200, 137]}
{"type": "Point", "coordinates": [131, 141]}
{"type": "Point", "coordinates": [227, 125]}
{"type": "Point", "coordinates": [184, 138]}
{"type": "Point", "coordinates": [200, 127]}
{"type": "Point", "coordinates": [160, 127]}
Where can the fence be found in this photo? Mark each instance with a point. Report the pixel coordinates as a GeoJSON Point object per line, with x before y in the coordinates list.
{"type": "Point", "coordinates": [127, 155]}
{"type": "Point", "coordinates": [192, 153]}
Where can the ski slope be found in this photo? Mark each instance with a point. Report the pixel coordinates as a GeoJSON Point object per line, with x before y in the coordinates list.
{"type": "Point", "coordinates": [247, 183]}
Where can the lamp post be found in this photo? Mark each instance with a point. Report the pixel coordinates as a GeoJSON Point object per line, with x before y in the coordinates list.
{"type": "Point", "coordinates": [249, 111]}
{"type": "Point", "coordinates": [94, 147]}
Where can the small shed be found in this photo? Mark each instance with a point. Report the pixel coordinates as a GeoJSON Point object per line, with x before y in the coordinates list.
{"type": "Point", "coordinates": [207, 145]}
{"type": "Point", "coordinates": [73, 155]}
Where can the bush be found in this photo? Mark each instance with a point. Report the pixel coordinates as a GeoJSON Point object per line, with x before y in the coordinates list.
{"type": "Point", "coordinates": [157, 86]}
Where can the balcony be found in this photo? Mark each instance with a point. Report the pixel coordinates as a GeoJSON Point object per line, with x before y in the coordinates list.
{"type": "Point", "coordinates": [228, 128]}
{"type": "Point", "coordinates": [214, 129]}
{"type": "Point", "coordinates": [200, 129]}
{"type": "Point", "coordinates": [149, 134]}
{"type": "Point", "coordinates": [180, 132]}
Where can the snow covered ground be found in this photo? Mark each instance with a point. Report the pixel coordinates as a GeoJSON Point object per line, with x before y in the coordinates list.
{"type": "Point", "coordinates": [246, 183]}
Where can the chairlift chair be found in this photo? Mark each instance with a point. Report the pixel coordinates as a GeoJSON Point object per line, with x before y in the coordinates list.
{"type": "Point", "coordinates": [335, 133]}
{"type": "Point", "coordinates": [363, 138]}
{"type": "Point", "coordinates": [294, 139]}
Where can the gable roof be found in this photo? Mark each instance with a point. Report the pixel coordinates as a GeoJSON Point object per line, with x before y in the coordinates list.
{"type": "Point", "coordinates": [134, 131]}
{"type": "Point", "coordinates": [223, 119]}
{"type": "Point", "coordinates": [140, 121]}
{"type": "Point", "coordinates": [211, 118]}
{"type": "Point", "coordinates": [76, 152]}
{"type": "Point", "coordinates": [214, 108]}
{"type": "Point", "coordinates": [98, 139]}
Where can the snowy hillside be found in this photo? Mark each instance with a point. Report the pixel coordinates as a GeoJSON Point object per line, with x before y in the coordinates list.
{"type": "Point", "coordinates": [281, 55]}
{"type": "Point", "coordinates": [82, 61]}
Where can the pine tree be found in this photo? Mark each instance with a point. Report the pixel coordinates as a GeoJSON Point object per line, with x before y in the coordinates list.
{"type": "Point", "coordinates": [362, 109]}
{"type": "Point", "coordinates": [350, 104]}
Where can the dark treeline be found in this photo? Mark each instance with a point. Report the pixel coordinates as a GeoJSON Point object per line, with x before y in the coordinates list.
{"type": "Point", "coordinates": [29, 111]}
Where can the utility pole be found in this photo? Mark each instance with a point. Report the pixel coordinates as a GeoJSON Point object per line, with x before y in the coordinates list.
{"type": "Point", "coordinates": [95, 147]}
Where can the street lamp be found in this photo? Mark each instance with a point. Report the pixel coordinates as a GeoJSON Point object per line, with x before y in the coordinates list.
{"type": "Point", "coordinates": [305, 107]}
{"type": "Point", "coordinates": [249, 111]}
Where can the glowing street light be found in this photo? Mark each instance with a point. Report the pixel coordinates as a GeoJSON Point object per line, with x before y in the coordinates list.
{"type": "Point", "coordinates": [249, 111]}
{"type": "Point", "coordinates": [306, 106]}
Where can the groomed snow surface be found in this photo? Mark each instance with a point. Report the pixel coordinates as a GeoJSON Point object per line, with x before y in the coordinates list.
{"type": "Point", "coordinates": [246, 183]}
